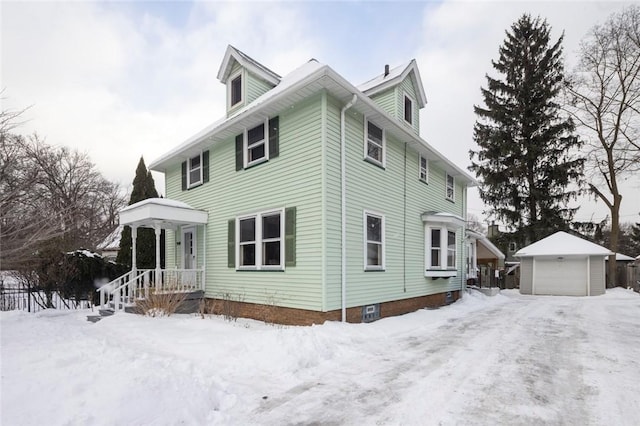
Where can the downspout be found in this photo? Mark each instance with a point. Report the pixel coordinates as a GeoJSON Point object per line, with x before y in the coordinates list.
{"type": "Point", "coordinates": [343, 192]}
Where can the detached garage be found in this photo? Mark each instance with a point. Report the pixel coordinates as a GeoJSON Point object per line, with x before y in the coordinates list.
{"type": "Point", "coordinates": [562, 265]}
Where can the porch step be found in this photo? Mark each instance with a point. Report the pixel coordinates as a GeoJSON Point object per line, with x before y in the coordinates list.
{"type": "Point", "coordinates": [101, 314]}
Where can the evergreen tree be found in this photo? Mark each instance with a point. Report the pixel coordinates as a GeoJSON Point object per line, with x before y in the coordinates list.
{"type": "Point", "coordinates": [143, 188]}
{"type": "Point", "coordinates": [525, 160]}
{"type": "Point", "coordinates": [635, 239]}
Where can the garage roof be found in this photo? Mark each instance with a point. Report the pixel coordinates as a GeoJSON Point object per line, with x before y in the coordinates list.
{"type": "Point", "coordinates": [562, 244]}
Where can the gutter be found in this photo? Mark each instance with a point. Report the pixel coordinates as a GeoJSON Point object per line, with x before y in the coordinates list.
{"type": "Point", "coordinates": [343, 192]}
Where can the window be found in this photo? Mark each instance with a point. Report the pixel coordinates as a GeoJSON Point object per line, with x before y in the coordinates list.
{"type": "Point", "coordinates": [436, 248]}
{"type": "Point", "coordinates": [374, 241]}
{"type": "Point", "coordinates": [424, 169]}
{"type": "Point", "coordinates": [195, 171]}
{"type": "Point", "coordinates": [374, 144]}
{"type": "Point", "coordinates": [451, 249]}
{"type": "Point", "coordinates": [260, 241]}
{"type": "Point", "coordinates": [451, 187]}
{"type": "Point", "coordinates": [256, 145]}
{"type": "Point", "coordinates": [441, 248]}
{"type": "Point", "coordinates": [408, 109]}
{"type": "Point", "coordinates": [235, 90]}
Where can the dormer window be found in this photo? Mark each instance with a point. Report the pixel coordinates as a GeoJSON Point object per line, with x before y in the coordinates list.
{"type": "Point", "coordinates": [408, 109]}
{"type": "Point", "coordinates": [235, 90]}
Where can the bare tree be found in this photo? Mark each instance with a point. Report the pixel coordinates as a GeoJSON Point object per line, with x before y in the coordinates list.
{"type": "Point", "coordinates": [604, 99]}
{"type": "Point", "coordinates": [49, 193]}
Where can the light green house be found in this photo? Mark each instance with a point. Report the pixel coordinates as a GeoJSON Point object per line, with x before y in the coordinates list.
{"type": "Point", "coordinates": [322, 202]}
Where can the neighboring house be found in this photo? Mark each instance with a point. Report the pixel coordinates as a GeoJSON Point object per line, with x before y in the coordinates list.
{"type": "Point", "coordinates": [483, 260]}
{"type": "Point", "coordinates": [111, 245]}
{"type": "Point", "coordinates": [564, 265]}
{"type": "Point", "coordinates": [315, 198]}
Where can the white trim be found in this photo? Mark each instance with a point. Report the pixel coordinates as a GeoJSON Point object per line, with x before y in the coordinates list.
{"type": "Point", "coordinates": [588, 275]}
{"type": "Point", "coordinates": [366, 144]}
{"type": "Point", "coordinates": [446, 186]}
{"type": "Point", "coordinates": [240, 73]}
{"type": "Point", "coordinates": [245, 145]}
{"type": "Point", "coordinates": [258, 241]}
{"type": "Point", "coordinates": [426, 177]}
{"type": "Point", "coordinates": [404, 112]}
{"type": "Point", "coordinates": [201, 180]}
{"type": "Point", "coordinates": [533, 276]}
{"type": "Point", "coordinates": [367, 267]}
{"type": "Point", "coordinates": [438, 270]}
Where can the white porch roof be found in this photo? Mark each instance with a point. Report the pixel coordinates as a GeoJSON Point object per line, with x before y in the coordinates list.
{"type": "Point", "coordinates": [162, 213]}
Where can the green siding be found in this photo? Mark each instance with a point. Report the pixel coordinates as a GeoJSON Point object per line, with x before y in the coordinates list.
{"type": "Point", "coordinates": [407, 87]}
{"type": "Point", "coordinates": [256, 87]}
{"type": "Point", "coordinates": [370, 187]}
{"type": "Point", "coordinates": [387, 100]}
{"type": "Point", "coordinates": [291, 180]}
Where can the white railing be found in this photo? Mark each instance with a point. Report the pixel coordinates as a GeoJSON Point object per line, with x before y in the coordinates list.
{"type": "Point", "coordinates": [128, 288]}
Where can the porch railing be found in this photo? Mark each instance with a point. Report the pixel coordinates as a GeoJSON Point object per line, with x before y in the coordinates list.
{"type": "Point", "coordinates": [125, 290]}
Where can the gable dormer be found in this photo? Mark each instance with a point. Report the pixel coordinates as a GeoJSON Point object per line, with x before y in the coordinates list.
{"type": "Point", "coordinates": [399, 92]}
{"type": "Point", "coordinates": [245, 78]}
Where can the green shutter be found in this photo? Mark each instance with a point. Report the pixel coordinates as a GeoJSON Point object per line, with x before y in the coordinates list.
{"type": "Point", "coordinates": [205, 167]}
{"type": "Point", "coordinates": [239, 149]}
{"type": "Point", "coordinates": [231, 244]}
{"type": "Point", "coordinates": [274, 143]}
{"type": "Point", "coordinates": [290, 236]}
{"type": "Point", "coordinates": [184, 175]}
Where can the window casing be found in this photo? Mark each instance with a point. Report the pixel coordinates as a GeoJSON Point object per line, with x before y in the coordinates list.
{"type": "Point", "coordinates": [374, 144]}
{"type": "Point", "coordinates": [440, 251]}
{"type": "Point", "coordinates": [374, 242]}
{"type": "Point", "coordinates": [256, 148]}
{"type": "Point", "coordinates": [424, 169]}
{"type": "Point", "coordinates": [408, 109]}
{"type": "Point", "coordinates": [235, 89]}
{"type": "Point", "coordinates": [194, 171]}
{"type": "Point", "coordinates": [450, 187]}
{"type": "Point", "coordinates": [261, 241]}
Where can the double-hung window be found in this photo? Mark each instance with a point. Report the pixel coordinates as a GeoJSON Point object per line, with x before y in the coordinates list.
{"type": "Point", "coordinates": [424, 169]}
{"type": "Point", "coordinates": [194, 172]}
{"type": "Point", "coordinates": [256, 147]}
{"type": "Point", "coordinates": [451, 188]}
{"type": "Point", "coordinates": [374, 143]}
{"type": "Point", "coordinates": [261, 241]}
{"type": "Point", "coordinates": [373, 241]}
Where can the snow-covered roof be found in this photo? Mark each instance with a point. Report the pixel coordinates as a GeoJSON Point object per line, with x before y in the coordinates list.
{"type": "Point", "coordinates": [562, 244]}
{"type": "Point", "coordinates": [394, 77]}
{"type": "Point", "coordinates": [482, 239]}
{"type": "Point", "coordinates": [296, 86]}
{"type": "Point", "coordinates": [442, 217]}
{"type": "Point", "coordinates": [247, 62]}
{"type": "Point", "coordinates": [161, 212]}
{"type": "Point", "coordinates": [623, 258]}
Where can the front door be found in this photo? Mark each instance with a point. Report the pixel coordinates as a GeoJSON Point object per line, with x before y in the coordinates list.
{"type": "Point", "coordinates": [189, 248]}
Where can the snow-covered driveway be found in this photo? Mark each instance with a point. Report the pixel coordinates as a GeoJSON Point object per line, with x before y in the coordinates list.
{"type": "Point", "coordinates": [510, 360]}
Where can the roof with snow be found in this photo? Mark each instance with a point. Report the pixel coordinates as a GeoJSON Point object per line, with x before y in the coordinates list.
{"type": "Point", "coordinates": [395, 76]}
{"type": "Point", "coordinates": [562, 244]}
{"type": "Point", "coordinates": [486, 242]}
{"type": "Point", "coordinates": [296, 86]}
{"type": "Point", "coordinates": [161, 213]}
{"type": "Point", "coordinates": [232, 54]}
{"type": "Point", "coordinates": [623, 258]}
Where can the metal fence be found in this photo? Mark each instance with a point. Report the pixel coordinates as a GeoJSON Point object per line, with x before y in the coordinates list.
{"type": "Point", "coordinates": [12, 299]}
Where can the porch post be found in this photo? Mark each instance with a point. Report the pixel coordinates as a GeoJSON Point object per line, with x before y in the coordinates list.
{"type": "Point", "coordinates": [158, 270]}
{"type": "Point", "coordinates": [134, 236]}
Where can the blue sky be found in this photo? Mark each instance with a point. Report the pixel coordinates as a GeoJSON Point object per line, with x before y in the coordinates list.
{"type": "Point", "coordinates": [124, 79]}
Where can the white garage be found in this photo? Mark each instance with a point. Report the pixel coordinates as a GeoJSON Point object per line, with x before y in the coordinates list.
{"type": "Point", "coordinates": [562, 265]}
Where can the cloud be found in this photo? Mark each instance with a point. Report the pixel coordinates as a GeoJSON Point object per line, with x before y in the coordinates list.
{"type": "Point", "coordinates": [119, 81]}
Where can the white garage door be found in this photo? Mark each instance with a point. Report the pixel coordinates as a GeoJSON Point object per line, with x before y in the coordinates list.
{"type": "Point", "coordinates": [566, 277]}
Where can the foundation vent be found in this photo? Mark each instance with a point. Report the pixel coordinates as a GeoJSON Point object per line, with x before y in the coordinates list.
{"type": "Point", "coordinates": [370, 313]}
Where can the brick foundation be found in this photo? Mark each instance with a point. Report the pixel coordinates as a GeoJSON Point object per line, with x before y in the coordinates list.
{"type": "Point", "coordinates": [292, 316]}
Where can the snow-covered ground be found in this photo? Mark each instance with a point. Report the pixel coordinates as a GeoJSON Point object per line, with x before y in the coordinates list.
{"type": "Point", "coordinates": [509, 359]}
